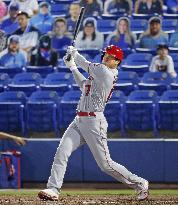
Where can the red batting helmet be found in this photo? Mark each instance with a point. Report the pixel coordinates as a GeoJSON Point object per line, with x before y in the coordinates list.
{"type": "Point", "coordinates": [114, 51]}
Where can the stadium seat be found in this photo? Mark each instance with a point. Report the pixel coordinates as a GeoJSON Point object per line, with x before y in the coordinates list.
{"type": "Point", "coordinates": [140, 111]}
{"type": "Point", "coordinates": [169, 25]}
{"type": "Point", "coordinates": [26, 82]}
{"type": "Point", "coordinates": [67, 108]}
{"type": "Point", "coordinates": [42, 112]}
{"type": "Point", "coordinates": [158, 81]}
{"type": "Point", "coordinates": [114, 112]}
{"type": "Point", "coordinates": [4, 80]}
{"type": "Point", "coordinates": [168, 111]}
{"type": "Point", "coordinates": [42, 70]}
{"type": "Point", "coordinates": [174, 56]}
{"type": "Point", "coordinates": [11, 71]}
{"type": "Point", "coordinates": [174, 84]}
{"type": "Point", "coordinates": [138, 25]}
{"type": "Point", "coordinates": [12, 111]}
{"type": "Point", "coordinates": [60, 7]}
{"type": "Point", "coordinates": [59, 82]}
{"type": "Point", "coordinates": [106, 25]}
{"type": "Point", "coordinates": [127, 82]}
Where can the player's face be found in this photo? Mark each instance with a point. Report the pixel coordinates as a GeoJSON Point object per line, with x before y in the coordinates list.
{"type": "Point", "coordinates": [23, 21]}
{"type": "Point", "coordinates": [155, 28]}
{"type": "Point", "coordinates": [110, 61]}
{"type": "Point", "coordinates": [14, 47]}
{"type": "Point", "coordinates": [74, 10]}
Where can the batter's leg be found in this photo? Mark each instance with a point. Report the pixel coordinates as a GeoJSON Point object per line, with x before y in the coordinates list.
{"type": "Point", "coordinates": [70, 141]}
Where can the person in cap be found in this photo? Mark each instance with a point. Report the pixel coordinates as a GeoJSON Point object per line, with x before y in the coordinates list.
{"type": "Point", "coordinates": [28, 6]}
{"type": "Point", "coordinates": [13, 56]}
{"type": "Point", "coordinates": [149, 7]}
{"type": "Point", "coordinates": [44, 55]}
{"type": "Point", "coordinates": [90, 126]}
{"type": "Point", "coordinates": [28, 34]}
{"type": "Point", "coordinates": [43, 20]}
{"type": "Point", "coordinates": [154, 35]}
{"type": "Point", "coordinates": [163, 62]}
{"type": "Point", "coordinates": [10, 24]}
{"type": "Point", "coordinates": [89, 38]}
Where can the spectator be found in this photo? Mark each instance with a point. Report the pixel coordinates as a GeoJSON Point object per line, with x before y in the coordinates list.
{"type": "Point", "coordinates": [89, 38]}
{"type": "Point", "coordinates": [43, 55]}
{"type": "Point", "coordinates": [17, 140]}
{"type": "Point", "coordinates": [154, 35]}
{"type": "Point", "coordinates": [174, 40]}
{"type": "Point", "coordinates": [148, 7]}
{"type": "Point", "coordinates": [44, 20]}
{"type": "Point", "coordinates": [92, 7]}
{"type": "Point", "coordinates": [74, 13]}
{"type": "Point", "coordinates": [122, 36]}
{"type": "Point", "coordinates": [28, 34]}
{"type": "Point", "coordinates": [163, 61]}
{"type": "Point", "coordinates": [28, 6]}
{"type": "Point", "coordinates": [172, 5]}
{"type": "Point", "coordinates": [10, 24]}
{"type": "Point", "coordinates": [61, 38]}
{"type": "Point", "coordinates": [3, 10]}
{"type": "Point", "coordinates": [2, 40]}
{"type": "Point", "coordinates": [118, 7]}
{"type": "Point", "coordinates": [13, 56]}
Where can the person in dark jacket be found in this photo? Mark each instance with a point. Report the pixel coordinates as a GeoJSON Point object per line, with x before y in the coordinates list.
{"type": "Point", "coordinates": [44, 55]}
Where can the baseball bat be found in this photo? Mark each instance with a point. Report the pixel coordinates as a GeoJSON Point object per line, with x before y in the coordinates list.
{"type": "Point", "coordinates": [77, 27]}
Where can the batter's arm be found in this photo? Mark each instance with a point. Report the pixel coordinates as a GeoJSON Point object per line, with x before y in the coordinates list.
{"type": "Point", "coordinates": [82, 62]}
{"type": "Point", "coordinates": [79, 78]}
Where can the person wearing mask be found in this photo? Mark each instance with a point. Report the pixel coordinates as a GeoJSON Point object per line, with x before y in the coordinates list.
{"type": "Point", "coordinates": [13, 56]}
{"type": "Point", "coordinates": [74, 12]}
{"type": "Point", "coordinates": [163, 62]}
{"type": "Point", "coordinates": [44, 20]}
{"type": "Point", "coordinates": [44, 55]}
{"type": "Point", "coordinates": [154, 35]}
{"type": "Point", "coordinates": [122, 36]}
{"type": "Point", "coordinates": [89, 38]}
{"type": "Point", "coordinates": [10, 24]}
{"type": "Point", "coordinates": [60, 37]}
{"type": "Point", "coordinates": [28, 34]}
{"type": "Point", "coordinates": [28, 6]}
{"type": "Point", "coordinates": [149, 7]}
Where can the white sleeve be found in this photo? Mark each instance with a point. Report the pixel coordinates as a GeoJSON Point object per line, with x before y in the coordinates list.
{"type": "Point", "coordinates": [153, 66]}
{"type": "Point", "coordinates": [171, 67]}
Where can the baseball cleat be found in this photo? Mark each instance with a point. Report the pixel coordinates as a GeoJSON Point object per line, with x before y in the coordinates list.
{"type": "Point", "coordinates": [48, 195]}
{"type": "Point", "coordinates": [143, 193]}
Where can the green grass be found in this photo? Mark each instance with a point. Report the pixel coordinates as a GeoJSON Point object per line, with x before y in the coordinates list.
{"type": "Point", "coordinates": [32, 192]}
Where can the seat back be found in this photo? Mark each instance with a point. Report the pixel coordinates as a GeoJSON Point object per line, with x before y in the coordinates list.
{"type": "Point", "coordinates": [157, 77]}
{"type": "Point", "coordinates": [42, 70]}
{"type": "Point", "coordinates": [13, 96]}
{"type": "Point", "coordinates": [128, 77]}
{"type": "Point", "coordinates": [58, 78]}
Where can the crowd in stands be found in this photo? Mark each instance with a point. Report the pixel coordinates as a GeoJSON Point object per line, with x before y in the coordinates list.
{"type": "Point", "coordinates": [31, 35]}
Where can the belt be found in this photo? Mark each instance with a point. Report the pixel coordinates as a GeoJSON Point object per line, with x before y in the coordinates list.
{"type": "Point", "coordinates": [86, 114]}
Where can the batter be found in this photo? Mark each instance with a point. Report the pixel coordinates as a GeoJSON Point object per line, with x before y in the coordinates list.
{"type": "Point", "coordinates": [90, 125]}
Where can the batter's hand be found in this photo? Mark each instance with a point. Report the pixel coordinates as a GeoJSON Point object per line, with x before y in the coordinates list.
{"type": "Point", "coordinates": [70, 64]}
{"type": "Point", "coordinates": [72, 51]}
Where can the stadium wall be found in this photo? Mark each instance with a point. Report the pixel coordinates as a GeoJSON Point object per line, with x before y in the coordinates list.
{"type": "Point", "coordinates": [153, 159]}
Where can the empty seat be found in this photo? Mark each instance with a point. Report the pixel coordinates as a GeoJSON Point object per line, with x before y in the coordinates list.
{"type": "Point", "coordinates": [106, 25]}
{"type": "Point", "coordinates": [168, 111]}
{"type": "Point", "coordinates": [140, 111]}
{"type": "Point", "coordinates": [174, 84]}
{"type": "Point", "coordinates": [114, 111]}
{"type": "Point", "coordinates": [4, 80]}
{"type": "Point", "coordinates": [26, 82]}
{"type": "Point", "coordinates": [11, 71]}
{"type": "Point", "coordinates": [127, 82]}
{"type": "Point", "coordinates": [42, 70]}
{"type": "Point", "coordinates": [67, 108]}
{"type": "Point", "coordinates": [58, 82]}
{"type": "Point", "coordinates": [60, 7]}
{"type": "Point", "coordinates": [158, 81]}
{"type": "Point", "coordinates": [12, 111]}
{"type": "Point", "coordinates": [42, 112]}
{"type": "Point", "coordinates": [138, 25]}
{"type": "Point", "coordinates": [169, 25]}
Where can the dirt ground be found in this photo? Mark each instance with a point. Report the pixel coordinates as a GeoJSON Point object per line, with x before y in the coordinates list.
{"type": "Point", "coordinates": [90, 200]}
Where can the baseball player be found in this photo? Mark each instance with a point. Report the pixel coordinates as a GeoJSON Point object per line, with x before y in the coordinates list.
{"type": "Point", "coordinates": [90, 125]}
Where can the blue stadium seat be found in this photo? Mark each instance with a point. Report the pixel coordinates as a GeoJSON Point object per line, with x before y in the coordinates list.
{"type": "Point", "coordinates": [60, 7]}
{"type": "Point", "coordinates": [67, 107]}
{"type": "Point", "coordinates": [11, 71]}
{"type": "Point", "coordinates": [168, 111]}
{"type": "Point", "coordinates": [127, 82]}
{"type": "Point", "coordinates": [42, 112]}
{"type": "Point", "coordinates": [42, 70]}
{"type": "Point", "coordinates": [138, 25]}
{"type": "Point", "coordinates": [140, 111]}
{"type": "Point", "coordinates": [169, 25]}
{"type": "Point", "coordinates": [106, 25]}
{"type": "Point", "coordinates": [139, 69]}
{"type": "Point", "coordinates": [59, 82]}
{"type": "Point", "coordinates": [26, 82]}
{"type": "Point", "coordinates": [174, 84]}
{"type": "Point", "coordinates": [114, 112]}
{"type": "Point", "coordinates": [4, 80]}
{"type": "Point", "coordinates": [158, 81]}
{"type": "Point", "coordinates": [174, 56]}
{"type": "Point", "coordinates": [12, 111]}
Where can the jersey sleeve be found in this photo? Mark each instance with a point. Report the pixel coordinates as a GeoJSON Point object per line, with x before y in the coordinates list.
{"type": "Point", "coordinates": [97, 70]}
